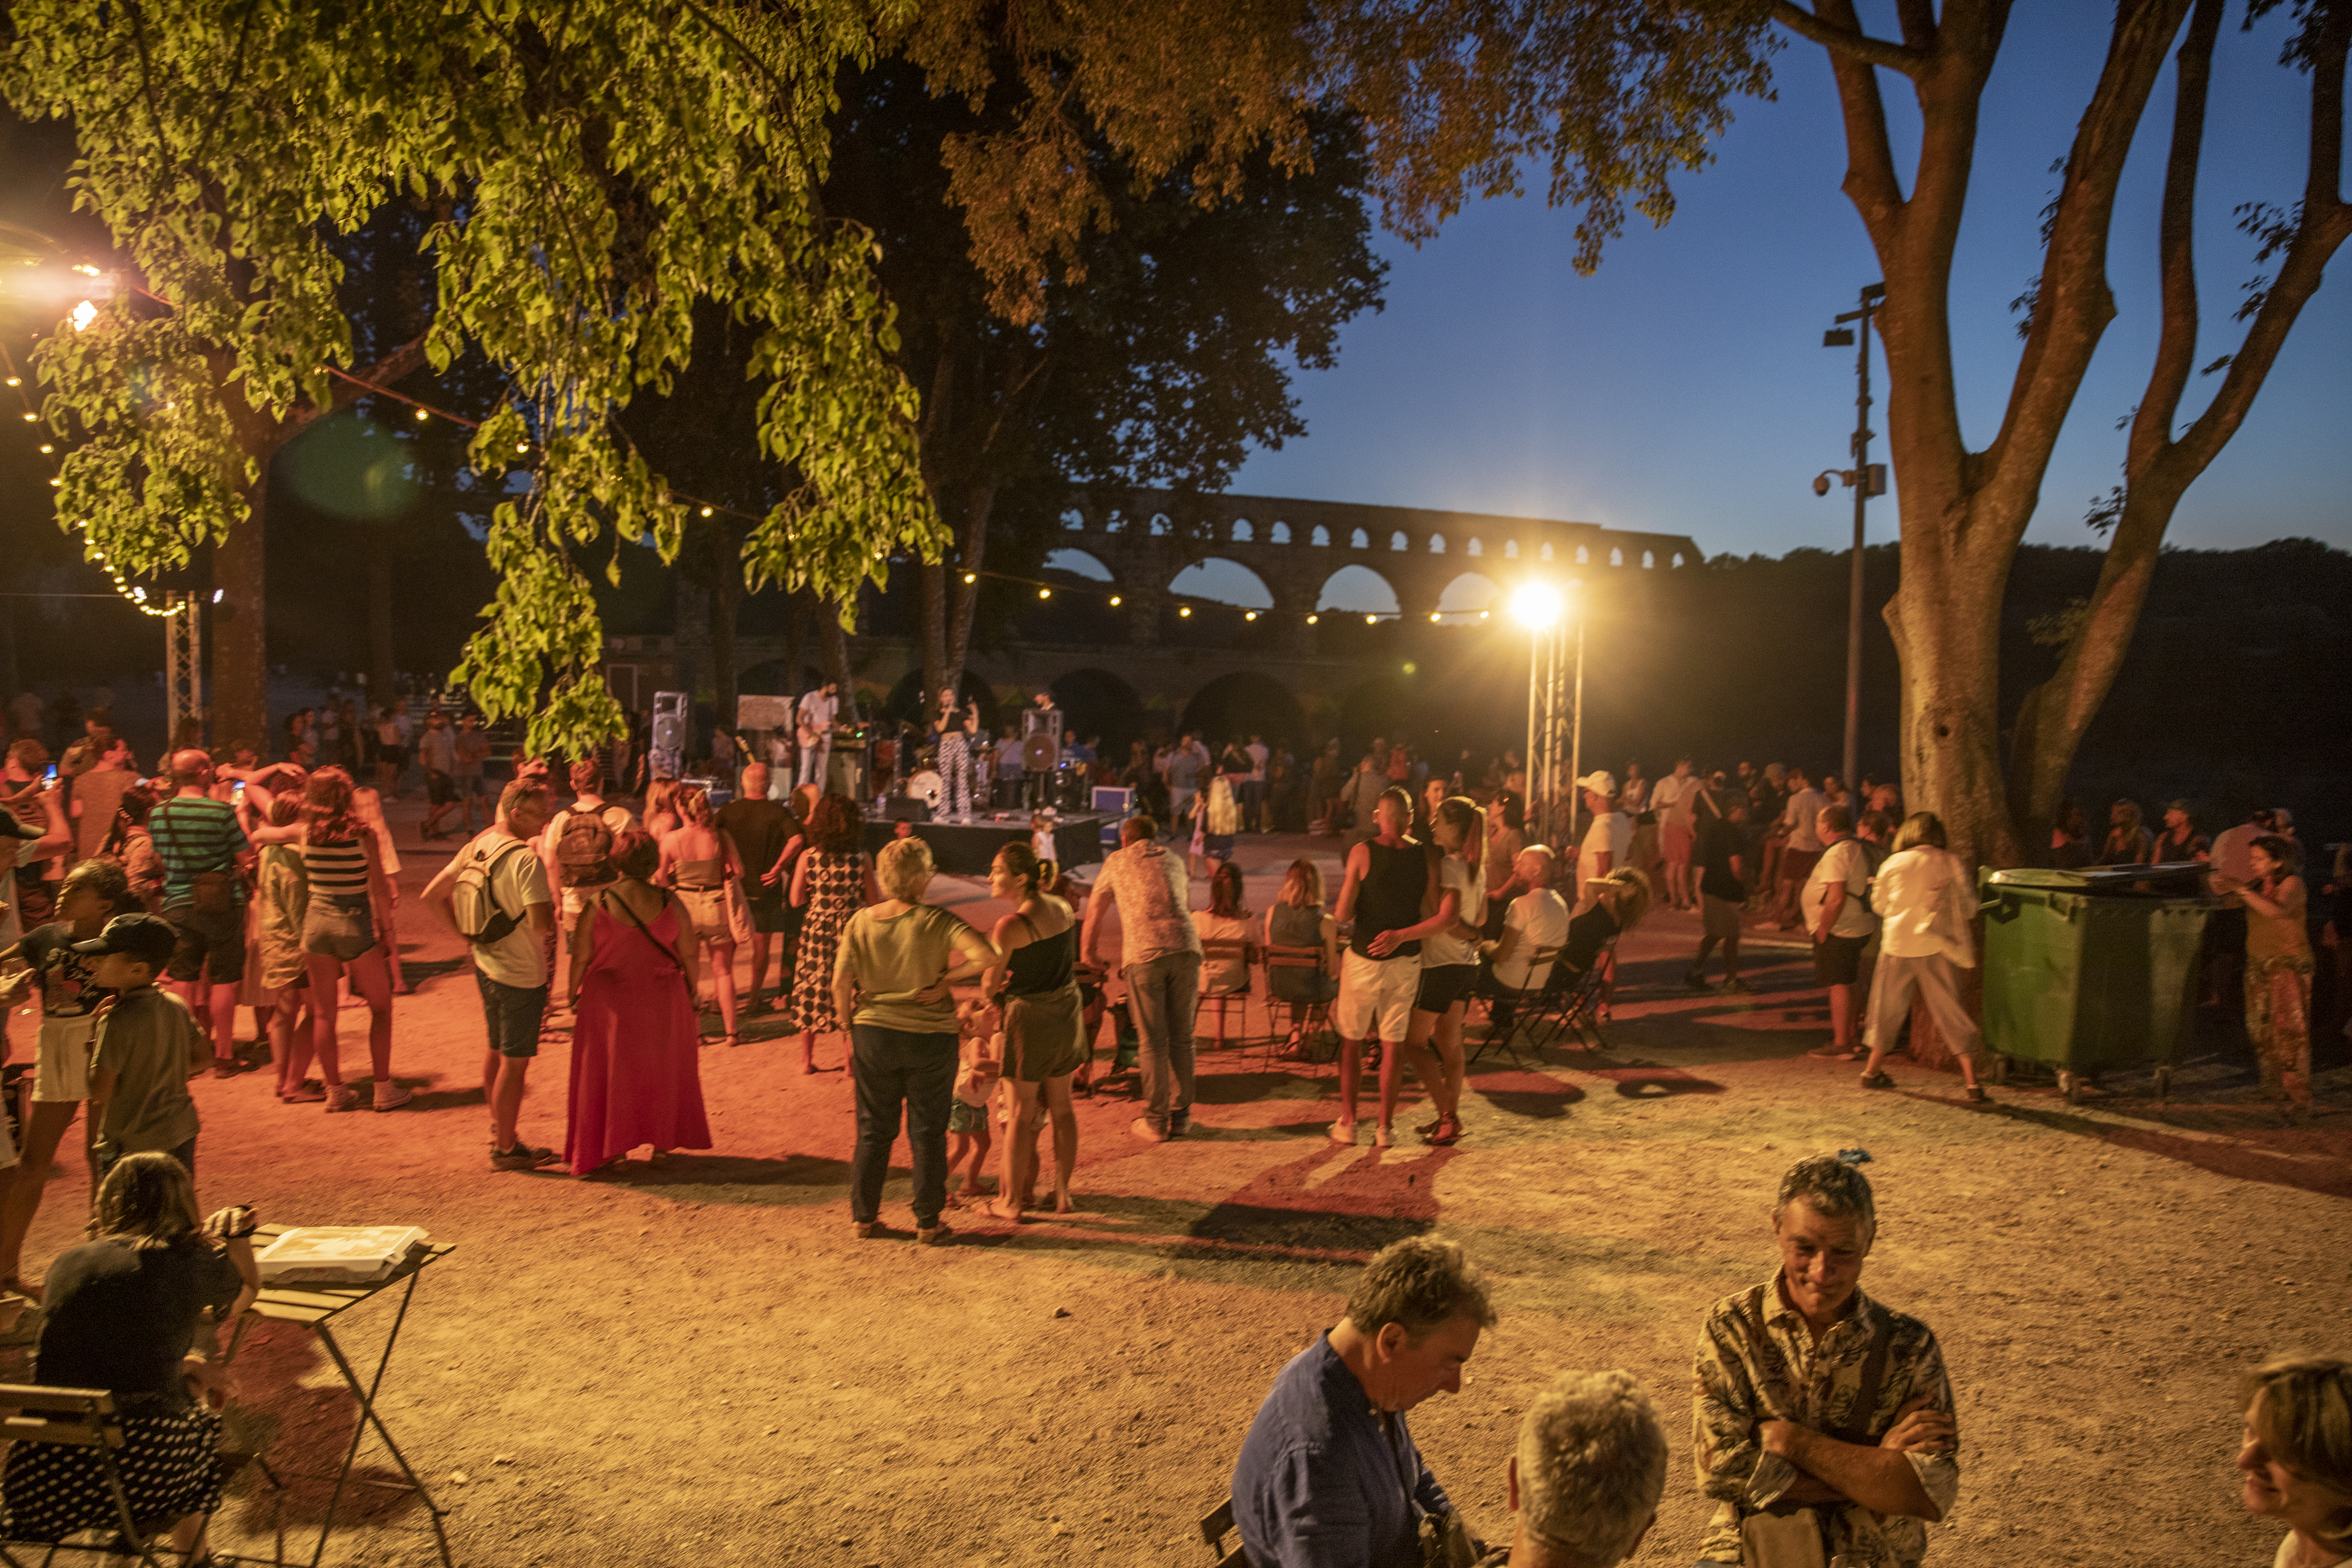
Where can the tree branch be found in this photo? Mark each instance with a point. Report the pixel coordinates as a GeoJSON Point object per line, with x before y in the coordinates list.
{"type": "Point", "coordinates": [2176, 349]}
{"type": "Point", "coordinates": [1870, 179]}
{"type": "Point", "coordinates": [1847, 41]}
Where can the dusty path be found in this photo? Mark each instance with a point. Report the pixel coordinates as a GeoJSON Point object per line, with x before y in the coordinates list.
{"type": "Point", "coordinates": [698, 1364]}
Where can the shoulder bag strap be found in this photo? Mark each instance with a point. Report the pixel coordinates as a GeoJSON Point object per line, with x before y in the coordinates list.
{"type": "Point", "coordinates": [609, 897]}
{"type": "Point", "coordinates": [1874, 1378]}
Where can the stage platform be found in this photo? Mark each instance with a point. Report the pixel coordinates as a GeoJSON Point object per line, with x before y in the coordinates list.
{"type": "Point", "coordinates": [966, 848]}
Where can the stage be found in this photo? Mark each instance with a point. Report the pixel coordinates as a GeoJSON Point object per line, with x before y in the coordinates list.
{"type": "Point", "coordinates": [966, 848]}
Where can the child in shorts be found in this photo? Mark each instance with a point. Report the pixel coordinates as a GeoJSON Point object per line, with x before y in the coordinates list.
{"type": "Point", "coordinates": [979, 1068]}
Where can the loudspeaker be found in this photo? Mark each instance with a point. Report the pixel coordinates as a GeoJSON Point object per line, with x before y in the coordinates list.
{"type": "Point", "coordinates": [906, 809]}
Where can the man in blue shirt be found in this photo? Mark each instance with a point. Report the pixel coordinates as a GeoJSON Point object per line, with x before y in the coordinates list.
{"type": "Point", "coordinates": [1328, 1476]}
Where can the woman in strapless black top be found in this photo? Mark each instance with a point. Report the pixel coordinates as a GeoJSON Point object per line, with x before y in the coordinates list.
{"type": "Point", "coordinates": [1044, 1040]}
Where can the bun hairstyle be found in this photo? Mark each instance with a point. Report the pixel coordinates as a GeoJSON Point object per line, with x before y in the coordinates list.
{"type": "Point", "coordinates": [1022, 862]}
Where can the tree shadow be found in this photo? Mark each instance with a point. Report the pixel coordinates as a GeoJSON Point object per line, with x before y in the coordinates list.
{"type": "Point", "coordinates": [1651, 1080]}
{"type": "Point", "coordinates": [788, 1181]}
{"type": "Point", "coordinates": [2257, 1148]}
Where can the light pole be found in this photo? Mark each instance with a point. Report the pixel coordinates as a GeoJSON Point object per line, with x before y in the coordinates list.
{"type": "Point", "coordinates": [1866, 479]}
{"type": "Point", "coordinates": [1555, 706]}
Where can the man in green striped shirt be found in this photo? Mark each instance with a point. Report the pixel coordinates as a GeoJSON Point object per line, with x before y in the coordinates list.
{"type": "Point", "coordinates": [203, 852]}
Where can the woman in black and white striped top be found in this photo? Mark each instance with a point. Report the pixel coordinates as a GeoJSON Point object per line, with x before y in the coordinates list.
{"type": "Point", "coordinates": [342, 857]}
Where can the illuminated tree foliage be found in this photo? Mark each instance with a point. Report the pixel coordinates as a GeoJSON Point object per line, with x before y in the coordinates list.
{"type": "Point", "coordinates": [592, 170]}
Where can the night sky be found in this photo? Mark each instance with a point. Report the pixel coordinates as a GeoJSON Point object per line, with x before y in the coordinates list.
{"type": "Point", "coordinates": [1685, 389]}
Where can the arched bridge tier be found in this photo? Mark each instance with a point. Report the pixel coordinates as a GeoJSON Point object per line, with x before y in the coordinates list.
{"type": "Point", "coordinates": [1145, 537]}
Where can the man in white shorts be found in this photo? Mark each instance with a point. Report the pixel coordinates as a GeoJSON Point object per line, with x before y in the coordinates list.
{"type": "Point", "coordinates": [1388, 877]}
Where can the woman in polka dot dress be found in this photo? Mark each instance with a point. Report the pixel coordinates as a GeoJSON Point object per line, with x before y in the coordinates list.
{"type": "Point", "coordinates": [833, 881]}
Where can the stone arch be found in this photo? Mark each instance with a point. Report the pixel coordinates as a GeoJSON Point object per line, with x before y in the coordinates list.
{"type": "Point", "coordinates": [1098, 702]}
{"type": "Point", "coordinates": [1676, 562]}
{"type": "Point", "coordinates": [1242, 534]}
{"type": "Point", "coordinates": [1235, 706]}
{"type": "Point", "coordinates": [1115, 522]}
{"type": "Point", "coordinates": [1616, 558]}
{"type": "Point", "coordinates": [1320, 538]}
{"type": "Point", "coordinates": [1468, 595]}
{"type": "Point", "coordinates": [1437, 544]}
{"type": "Point", "coordinates": [1475, 549]}
{"type": "Point", "coordinates": [1281, 534]}
{"type": "Point", "coordinates": [1222, 582]}
{"type": "Point", "coordinates": [1359, 540]}
{"type": "Point", "coordinates": [1510, 550]}
{"type": "Point", "coordinates": [1359, 589]}
{"type": "Point", "coordinates": [1397, 541]}
{"type": "Point", "coordinates": [1544, 553]}
{"type": "Point", "coordinates": [1079, 563]}
{"type": "Point", "coordinates": [1649, 561]}
{"type": "Point", "coordinates": [1159, 525]}
{"type": "Point", "coordinates": [1583, 556]}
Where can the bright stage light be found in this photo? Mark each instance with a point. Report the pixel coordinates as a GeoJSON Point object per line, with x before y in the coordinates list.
{"type": "Point", "coordinates": [1536, 605]}
{"type": "Point", "coordinates": [83, 315]}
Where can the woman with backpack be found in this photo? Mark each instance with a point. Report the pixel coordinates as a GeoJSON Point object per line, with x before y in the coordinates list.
{"type": "Point", "coordinates": [698, 860]}
{"type": "Point", "coordinates": [635, 1078]}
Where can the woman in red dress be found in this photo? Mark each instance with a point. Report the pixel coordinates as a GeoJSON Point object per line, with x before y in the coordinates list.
{"type": "Point", "coordinates": [635, 1080]}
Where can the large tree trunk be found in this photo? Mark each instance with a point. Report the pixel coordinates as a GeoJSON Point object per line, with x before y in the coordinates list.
{"type": "Point", "coordinates": [933, 577]}
{"type": "Point", "coordinates": [725, 601]}
{"type": "Point", "coordinates": [978, 501]}
{"type": "Point", "coordinates": [835, 646]}
{"type": "Point", "coordinates": [239, 704]}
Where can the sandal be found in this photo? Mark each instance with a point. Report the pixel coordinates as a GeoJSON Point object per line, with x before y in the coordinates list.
{"type": "Point", "coordinates": [1447, 1134]}
{"type": "Point", "coordinates": [932, 1235]}
{"type": "Point", "coordinates": [1877, 1080]}
{"type": "Point", "coordinates": [866, 1229]}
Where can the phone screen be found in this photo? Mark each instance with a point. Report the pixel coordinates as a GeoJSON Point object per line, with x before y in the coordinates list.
{"type": "Point", "coordinates": [51, 776]}
{"type": "Point", "coordinates": [239, 793]}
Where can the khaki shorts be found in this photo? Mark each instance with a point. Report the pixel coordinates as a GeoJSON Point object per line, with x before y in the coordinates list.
{"type": "Point", "coordinates": [1375, 995]}
{"type": "Point", "coordinates": [62, 1068]}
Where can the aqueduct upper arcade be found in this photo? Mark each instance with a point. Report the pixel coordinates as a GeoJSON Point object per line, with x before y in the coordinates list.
{"type": "Point", "coordinates": [1145, 537]}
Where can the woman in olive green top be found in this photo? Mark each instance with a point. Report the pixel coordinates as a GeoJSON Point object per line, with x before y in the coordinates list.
{"type": "Point", "coordinates": [890, 981]}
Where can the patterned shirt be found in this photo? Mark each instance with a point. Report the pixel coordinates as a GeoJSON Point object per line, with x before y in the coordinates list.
{"type": "Point", "coordinates": [194, 834]}
{"type": "Point", "coordinates": [1153, 892]}
{"type": "Point", "coordinates": [1757, 1362]}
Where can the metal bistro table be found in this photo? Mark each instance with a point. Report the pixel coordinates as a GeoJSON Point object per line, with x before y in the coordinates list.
{"type": "Point", "coordinates": [315, 1307]}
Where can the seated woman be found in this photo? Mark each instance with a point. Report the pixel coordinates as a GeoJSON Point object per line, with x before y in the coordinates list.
{"type": "Point", "coordinates": [126, 1313]}
{"type": "Point", "coordinates": [1613, 906]}
{"type": "Point", "coordinates": [1299, 919]}
{"type": "Point", "coordinates": [1227, 920]}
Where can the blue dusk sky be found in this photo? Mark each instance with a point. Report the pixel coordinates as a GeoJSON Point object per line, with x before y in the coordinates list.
{"type": "Point", "coordinates": [1685, 389]}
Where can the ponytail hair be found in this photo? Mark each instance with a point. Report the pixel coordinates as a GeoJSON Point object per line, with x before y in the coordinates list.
{"type": "Point", "coordinates": [1022, 862]}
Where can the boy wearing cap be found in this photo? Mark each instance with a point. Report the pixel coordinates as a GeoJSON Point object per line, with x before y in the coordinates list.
{"type": "Point", "coordinates": [1609, 842]}
{"type": "Point", "coordinates": [146, 1049]}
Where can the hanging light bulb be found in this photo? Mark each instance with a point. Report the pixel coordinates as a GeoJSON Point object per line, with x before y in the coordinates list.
{"type": "Point", "coordinates": [1249, 614]}
{"type": "Point", "coordinates": [1184, 609]}
{"type": "Point", "coordinates": [1114, 601]}
{"type": "Point", "coordinates": [1312, 619]}
{"type": "Point", "coordinates": [1370, 619]}
{"type": "Point", "coordinates": [706, 512]}
{"type": "Point", "coordinates": [422, 417]}
{"type": "Point", "coordinates": [1045, 593]}
{"type": "Point", "coordinates": [972, 576]}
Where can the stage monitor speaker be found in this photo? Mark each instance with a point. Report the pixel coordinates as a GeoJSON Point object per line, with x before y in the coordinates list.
{"type": "Point", "coordinates": [906, 809]}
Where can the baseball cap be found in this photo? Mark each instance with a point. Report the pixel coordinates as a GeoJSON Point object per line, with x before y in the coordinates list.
{"type": "Point", "coordinates": [2176, 806]}
{"type": "Point", "coordinates": [148, 937]}
{"type": "Point", "coordinates": [1598, 783]}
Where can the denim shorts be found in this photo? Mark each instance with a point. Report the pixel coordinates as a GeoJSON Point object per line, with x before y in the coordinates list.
{"type": "Point", "coordinates": [342, 929]}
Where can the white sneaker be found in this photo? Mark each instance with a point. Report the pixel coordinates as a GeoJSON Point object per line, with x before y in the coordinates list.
{"type": "Point", "coordinates": [1381, 1137]}
{"type": "Point", "coordinates": [1343, 1132]}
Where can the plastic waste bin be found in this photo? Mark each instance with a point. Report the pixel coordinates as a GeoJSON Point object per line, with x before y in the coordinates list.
{"type": "Point", "coordinates": [2093, 968]}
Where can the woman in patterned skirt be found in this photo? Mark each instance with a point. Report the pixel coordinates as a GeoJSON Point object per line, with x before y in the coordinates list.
{"type": "Point", "coordinates": [957, 735]}
{"type": "Point", "coordinates": [834, 880]}
{"type": "Point", "coordinates": [126, 1313]}
{"type": "Point", "coordinates": [2278, 969]}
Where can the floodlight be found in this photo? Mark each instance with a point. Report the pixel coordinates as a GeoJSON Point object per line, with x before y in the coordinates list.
{"type": "Point", "coordinates": [1537, 605]}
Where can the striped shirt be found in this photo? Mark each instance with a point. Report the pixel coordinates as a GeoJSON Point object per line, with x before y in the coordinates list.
{"type": "Point", "coordinates": [193, 835]}
{"type": "Point", "coordinates": [337, 868]}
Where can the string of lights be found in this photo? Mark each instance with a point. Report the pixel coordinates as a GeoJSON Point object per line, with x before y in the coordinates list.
{"type": "Point", "coordinates": [1186, 602]}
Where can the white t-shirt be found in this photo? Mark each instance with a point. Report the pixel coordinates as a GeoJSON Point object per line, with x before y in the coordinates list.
{"type": "Point", "coordinates": [1929, 905]}
{"type": "Point", "coordinates": [517, 880]}
{"type": "Point", "coordinates": [1804, 811]}
{"type": "Point", "coordinates": [1540, 917]}
{"type": "Point", "coordinates": [1258, 755]}
{"type": "Point", "coordinates": [1467, 882]}
{"type": "Point", "coordinates": [1610, 835]}
{"type": "Point", "coordinates": [1844, 861]}
{"type": "Point", "coordinates": [1673, 799]}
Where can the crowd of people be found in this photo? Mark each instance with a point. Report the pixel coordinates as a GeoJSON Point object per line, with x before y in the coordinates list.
{"type": "Point", "coordinates": [1824, 1429]}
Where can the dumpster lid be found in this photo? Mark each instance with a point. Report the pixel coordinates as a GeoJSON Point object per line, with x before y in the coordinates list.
{"type": "Point", "coordinates": [2183, 880]}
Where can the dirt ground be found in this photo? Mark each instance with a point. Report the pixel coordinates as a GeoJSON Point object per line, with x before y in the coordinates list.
{"type": "Point", "coordinates": [697, 1363]}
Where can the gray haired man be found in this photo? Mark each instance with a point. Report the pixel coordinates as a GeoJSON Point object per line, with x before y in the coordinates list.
{"type": "Point", "coordinates": [1585, 1481]}
{"type": "Point", "coordinates": [1817, 1414]}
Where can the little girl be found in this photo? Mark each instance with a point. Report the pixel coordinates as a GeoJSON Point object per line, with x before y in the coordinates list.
{"type": "Point", "coordinates": [980, 1059]}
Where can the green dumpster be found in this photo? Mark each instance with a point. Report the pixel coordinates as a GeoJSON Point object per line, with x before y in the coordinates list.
{"type": "Point", "coordinates": [2094, 969]}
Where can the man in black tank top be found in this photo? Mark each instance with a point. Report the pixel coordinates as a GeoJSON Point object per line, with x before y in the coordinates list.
{"type": "Point", "coordinates": [1388, 879]}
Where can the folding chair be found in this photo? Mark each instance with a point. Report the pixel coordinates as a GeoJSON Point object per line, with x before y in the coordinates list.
{"type": "Point", "coordinates": [1576, 1007]}
{"type": "Point", "coordinates": [1303, 1016]}
{"type": "Point", "coordinates": [1214, 1526]}
{"type": "Point", "coordinates": [80, 1418]}
{"type": "Point", "coordinates": [1213, 954]}
{"type": "Point", "coordinates": [1529, 1006]}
